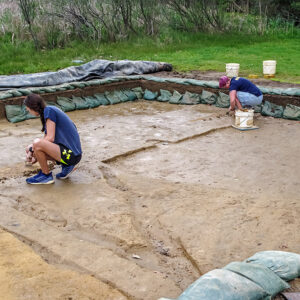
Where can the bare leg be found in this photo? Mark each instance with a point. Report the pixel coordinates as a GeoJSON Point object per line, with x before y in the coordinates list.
{"type": "Point", "coordinates": [43, 150]}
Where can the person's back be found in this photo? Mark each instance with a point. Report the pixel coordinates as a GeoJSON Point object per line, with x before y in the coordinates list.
{"type": "Point", "coordinates": [65, 131]}
{"type": "Point", "coordinates": [241, 84]}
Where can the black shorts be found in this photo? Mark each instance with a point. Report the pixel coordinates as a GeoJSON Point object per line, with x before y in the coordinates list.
{"type": "Point", "coordinates": [67, 156]}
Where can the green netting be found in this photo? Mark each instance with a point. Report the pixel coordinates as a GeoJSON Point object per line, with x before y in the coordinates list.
{"type": "Point", "coordinates": [113, 97]}
{"type": "Point", "coordinates": [208, 97]}
{"type": "Point", "coordinates": [130, 95]}
{"type": "Point", "coordinates": [285, 264]}
{"type": "Point", "coordinates": [261, 275]}
{"type": "Point", "coordinates": [92, 101]}
{"type": "Point", "coordinates": [176, 98]}
{"type": "Point", "coordinates": [165, 96]}
{"type": "Point", "coordinates": [190, 98]}
{"type": "Point", "coordinates": [291, 112]}
{"type": "Point", "coordinates": [223, 100]}
{"type": "Point", "coordinates": [17, 113]}
{"type": "Point", "coordinates": [148, 95]}
{"type": "Point", "coordinates": [103, 100]}
{"type": "Point", "coordinates": [80, 103]}
{"type": "Point", "coordinates": [66, 104]}
{"type": "Point", "coordinates": [223, 285]}
{"type": "Point", "coordinates": [272, 110]}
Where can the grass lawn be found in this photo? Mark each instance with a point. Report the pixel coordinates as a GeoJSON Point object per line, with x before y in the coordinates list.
{"type": "Point", "coordinates": [186, 52]}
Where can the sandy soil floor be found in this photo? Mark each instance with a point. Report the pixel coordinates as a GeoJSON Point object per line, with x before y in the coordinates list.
{"type": "Point", "coordinates": [164, 193]}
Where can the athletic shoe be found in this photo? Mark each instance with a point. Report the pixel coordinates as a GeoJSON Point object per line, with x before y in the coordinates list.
{"type": "Point", "coordinates": [65, 171]}
{"type": "Point", "coordinates": [40, 178]}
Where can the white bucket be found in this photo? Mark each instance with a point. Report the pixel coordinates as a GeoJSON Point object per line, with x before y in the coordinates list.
{"type": "Point", "coordinates": [244, 118]}
{"type": "Point", "coordinates": [232, 70]}
{"type": "Point", "coordinates": [269, 67]}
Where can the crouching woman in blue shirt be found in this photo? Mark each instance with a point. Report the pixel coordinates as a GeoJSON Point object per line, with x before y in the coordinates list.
{"type": "Point", "coordinates": [61, 142]}
{"type": "Point", "coordinates": [242, 92]}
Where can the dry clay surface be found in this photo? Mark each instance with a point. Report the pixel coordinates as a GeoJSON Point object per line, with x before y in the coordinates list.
{"type": "Point", "coordinates": [164, 193]}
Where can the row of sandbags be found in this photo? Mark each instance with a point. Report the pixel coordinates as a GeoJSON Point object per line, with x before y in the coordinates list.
{"type": "Point", "coordinates": [17, 113]}
{"type": "Point", "coordinates": [259, 277]}
{"type": "Point", "coordinates": [16, 92]}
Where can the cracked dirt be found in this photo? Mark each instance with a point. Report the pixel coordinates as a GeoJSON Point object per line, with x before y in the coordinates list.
{"type": "Point", "coordinates": [163, 194]}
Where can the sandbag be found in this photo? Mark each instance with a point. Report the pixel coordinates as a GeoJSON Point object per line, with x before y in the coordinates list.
{"type": "Point", "coordinates": [291, 112]}
{"type": "Point", "coordinates": [190, 98]}
{"type": "Point", "coordinates": [113, 97]}
{"type": "Point", "coordinates": [80, 103]}
{"type": "Point", "coordinates": [176, 98]}
{"type": "Point", "coordinates": [130, 95]}
{"type": "Point", "coordinates": [223, 100]}
{"type": "Point", "coordinates": [17, 113]}
{"type": "Point", "coordinates": [285, 264]}
{"type": "Point", "coordinates": [223, 285]}
{"type": "Point", "coordinates": [139, 92]}
{"type": "Point", "coordinates": [122, 96]}
{"type": "Point", "coordinates": [50, 103]}
{"type": "Point", "coordinates": [165, 96]}
{"type": "Point", "coordinates": [257, 108]}
{"type": "Point", "coordinates": [261, 275]}
{"type": "Point", "coordinates": [148, 95]}
{"type": "Point", "coordinates": [92, 101]}
{"type": "Point", "coordinates": [66, 104]}
{"type": "Point", "coordinates": [272, 110]}
{"type": "Point", "coordinates": [102, 99]}
{"type": "Point", "coordinates": [208, 97]}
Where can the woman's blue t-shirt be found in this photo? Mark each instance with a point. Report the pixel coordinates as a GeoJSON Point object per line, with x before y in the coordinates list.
{"type": "Point", "coordinates": [241, 84]}
{"type": "Point", "coordinates": [66, 132]}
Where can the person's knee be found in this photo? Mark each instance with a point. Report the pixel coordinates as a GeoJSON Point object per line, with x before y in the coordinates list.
{"type": "Point", "coordinates": [37, 144]}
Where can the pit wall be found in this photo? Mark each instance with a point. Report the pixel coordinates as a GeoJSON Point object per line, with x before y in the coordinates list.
{"type": "Point", "coordinates": [277, 96]}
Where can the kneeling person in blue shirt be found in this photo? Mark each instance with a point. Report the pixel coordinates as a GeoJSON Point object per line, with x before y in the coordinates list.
{"type": "Point", "coordinates": [242, 92]}
{"type": "Point", "coordinates": [61, 142]}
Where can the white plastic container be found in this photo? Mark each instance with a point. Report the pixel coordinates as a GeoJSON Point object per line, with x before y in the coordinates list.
{"type": "Point", "coordinates": [269, 67]}
{"type": "Point", "coordinates": [244, 119]}
{"type": "Point", "coordinates": [232, 70]}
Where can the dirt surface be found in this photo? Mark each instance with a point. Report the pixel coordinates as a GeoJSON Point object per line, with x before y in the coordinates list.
{"type": "Point", "coordinates": [164, 193]}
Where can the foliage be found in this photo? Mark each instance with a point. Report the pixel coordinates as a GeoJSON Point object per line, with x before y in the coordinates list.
{"type": "Point", "coordinates": [55, 23]}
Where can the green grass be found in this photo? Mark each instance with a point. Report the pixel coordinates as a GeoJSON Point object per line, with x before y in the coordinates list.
{"type": "Point", "coordinates": [185, 51]}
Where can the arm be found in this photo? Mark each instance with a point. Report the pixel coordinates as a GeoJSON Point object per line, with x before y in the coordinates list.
{"type": "Point", "coordinates": [50, 136]}
{"type": "Point", "coordinates": [232, 96]}
{"type": "Point", "coordinates": [234, 101]}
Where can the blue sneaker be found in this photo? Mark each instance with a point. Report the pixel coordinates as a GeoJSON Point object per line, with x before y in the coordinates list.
{"type": "Point", "coordinates": [40, 178]}
{"type": "Point", "coordinates": [65, 171]}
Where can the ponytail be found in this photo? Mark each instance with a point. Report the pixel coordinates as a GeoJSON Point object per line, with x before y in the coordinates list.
{"type": "Point", "coordinates": [37, 104]}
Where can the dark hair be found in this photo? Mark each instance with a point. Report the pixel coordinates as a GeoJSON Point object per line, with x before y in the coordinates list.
{"type": "Point", "coordinates": [36, 103]}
